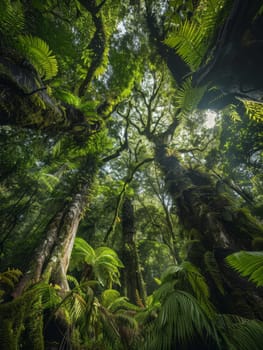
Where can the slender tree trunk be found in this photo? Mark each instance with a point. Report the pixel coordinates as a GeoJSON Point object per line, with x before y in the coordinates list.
{"type": "Point", "coordinates": [218, 228]}
{"type": "Point", "coordinates": [133, 283]}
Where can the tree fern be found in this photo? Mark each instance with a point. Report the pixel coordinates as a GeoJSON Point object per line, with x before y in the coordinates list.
{"type": "Point", "coordinates": [39, 55]}
{"type": "Point", "coordinates": [248, 264]}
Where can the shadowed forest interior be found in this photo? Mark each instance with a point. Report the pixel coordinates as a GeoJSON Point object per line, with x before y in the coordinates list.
{"type": "Point", "coordinates": [131, 178]}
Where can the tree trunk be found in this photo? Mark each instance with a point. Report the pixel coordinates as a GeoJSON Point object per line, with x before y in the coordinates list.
{"type": "Point", "coordinates": [235, 66]}
{"type": "Point", "coordinates": [133, 283]}
{"type": "Point", "coordinates": [51, 259]}
{"type": "Point", "coordinates": [217, 228]}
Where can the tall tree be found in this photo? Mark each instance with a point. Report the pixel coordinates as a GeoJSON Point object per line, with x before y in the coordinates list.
{"type": "Point", "coordinates": [133, 283]}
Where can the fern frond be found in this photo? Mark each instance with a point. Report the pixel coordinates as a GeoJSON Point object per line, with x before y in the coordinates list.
{"type": "Point", "coordinates": [188, 43]}
{"type": "Point", "coordinates": [109, 296]}
{"type": "Point", "coordinates": [68, 97]}
{"type": "Point", "coordinates": [47, 293]}
{"type": "Point", "coordinates": [248, 264]}
{"type": "Point", "coordinates": [188, 97]}
{"type": "Point", "coordinates": [8, 280]}
{"type": "Point", "coordinates": [192, 39]}
{"type": "Point", "coordinates": [76, 305]}
{"type": "Point", "coordinates": [11, 19]}
{"type": "Point", "coordinates": [231, 110]}
{"type": "Point", "coordinates": [254, 110]}
{"type": "Point", "coordinates": [39, 55]}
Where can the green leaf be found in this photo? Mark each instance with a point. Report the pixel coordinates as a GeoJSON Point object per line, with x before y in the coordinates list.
{"type": "Point", "coordinates": [248, 264]}
{"type": "Point", "coordinates": [39, 55]}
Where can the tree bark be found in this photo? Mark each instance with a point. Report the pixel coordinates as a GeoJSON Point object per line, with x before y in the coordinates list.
{"type": "Point", "coordinates": [25, 102]}
{"type": "Point", "coordinates": [217, 226]}
{"type": "Point", "coordinates": [133, 283]}
{"type": "Point", "coordinates": [51, 259]}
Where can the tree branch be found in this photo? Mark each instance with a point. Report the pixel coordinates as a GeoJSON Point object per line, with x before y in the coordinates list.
{"type": "Point", "coordinates": [121, 196]}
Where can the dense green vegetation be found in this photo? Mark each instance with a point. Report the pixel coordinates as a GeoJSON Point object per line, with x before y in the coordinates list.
{"type": "Point", "coordinates": [131, 174]}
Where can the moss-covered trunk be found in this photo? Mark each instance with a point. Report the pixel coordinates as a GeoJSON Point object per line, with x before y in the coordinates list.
{"type": "Point", "coordinates": [217, 227]}
{"type": "Point", "coordinates": [132, 281]}
{"type": "Point", "coordinates": [51, 259]}
{"type": "Point", "coordinates": [49, 264]}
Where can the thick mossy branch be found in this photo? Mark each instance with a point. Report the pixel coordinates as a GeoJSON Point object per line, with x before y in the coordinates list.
{"type": "Point", "coordinates": [26, 102]}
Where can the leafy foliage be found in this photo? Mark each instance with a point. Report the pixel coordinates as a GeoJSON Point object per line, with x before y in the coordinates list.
{"type": "Point", "coordinates": [187, 275]}
{"type": "Point", "coordinates": [239, 333]}
{"type": "Point", "coordinates": [254, 110]}
{"type": "Point", "coordinates": [180, 320]}
{"type": "Point", "coordinates": [248, 264]}
{"type": "Point", "coordinates": [103, 262]}
{"type": "Point", "coordinates": [8, 280]}
{"type": "Point", "coordinates": [12, 19]}
{"type": "Point", "coordinates": [192, 38]}
{"type": "Point", "coordinates": [189, 44]}
{"type": "Point", "coordinates": [39, 55]}
{"type": "Point", "coordinates": [112, 85]}
{"type": "Point", "coordinates": [188, 97]}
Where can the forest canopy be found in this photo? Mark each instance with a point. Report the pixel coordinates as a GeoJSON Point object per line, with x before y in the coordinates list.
{"type": "Point", "coordinates": [131, 174]}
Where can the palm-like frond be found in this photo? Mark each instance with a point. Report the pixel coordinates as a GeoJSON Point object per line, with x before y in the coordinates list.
{"type": "Point", "coordinates": [180, 319]}
{"type": "Point", "coordinates": [107, 266]}
{"type": "Point", "coordinates": [45, 292]}
{"type": "Point", "coordinates": [87, 107]}
{"type": "Point", "coordinates": [109, 296]}
{"type": "Point", "coordinates": [117, 318]}
{"type": "Point", "coordinates": [239, 333]}
{"type": "Point", "coordinates": [248, 264]}
{"type": "Point", "coordinates": [187, 277]}
{"type": "Point", "coordinates": [39, 55]}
